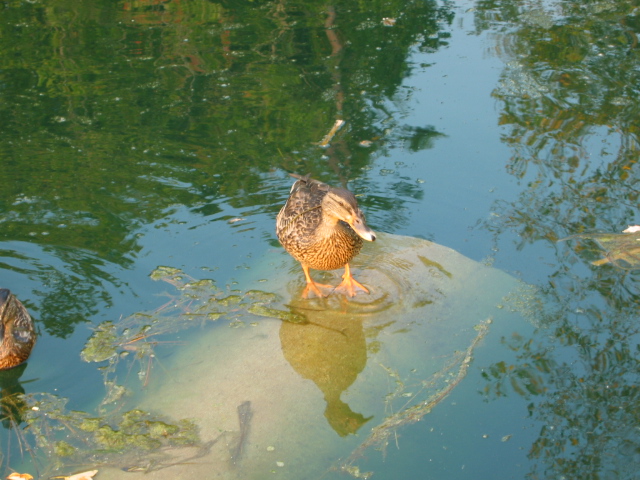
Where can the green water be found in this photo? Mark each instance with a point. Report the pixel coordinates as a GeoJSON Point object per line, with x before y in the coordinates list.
{"type": "Point", "coordinates": [146, 133]}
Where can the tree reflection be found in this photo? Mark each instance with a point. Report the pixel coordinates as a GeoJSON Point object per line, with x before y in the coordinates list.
{"type": "Point", "coordinates": [582, 383]}
{"type": "Point", "coordinates": [569, 114]}
{"type": "Point", "coordinates": [113, 113]}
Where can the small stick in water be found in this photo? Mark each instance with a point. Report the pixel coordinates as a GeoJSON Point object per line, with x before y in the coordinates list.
{"type": "Point", "coordinates": [244, 418]}
{"type": "Point", "coordinates": [329, 136]}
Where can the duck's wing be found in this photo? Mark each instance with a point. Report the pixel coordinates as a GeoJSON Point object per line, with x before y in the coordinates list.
{"type": "Point", "coordinates": [302, 213]}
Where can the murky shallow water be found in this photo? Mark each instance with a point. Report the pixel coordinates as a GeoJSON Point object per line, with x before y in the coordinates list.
{"type": "Point", "coordinates": [328, 383]}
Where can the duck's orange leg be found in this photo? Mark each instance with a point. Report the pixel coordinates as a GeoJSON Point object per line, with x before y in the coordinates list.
{"type": "Point", "coordinates": [349, 284]}
{"type": "Point", "coordinates": [311, 285]}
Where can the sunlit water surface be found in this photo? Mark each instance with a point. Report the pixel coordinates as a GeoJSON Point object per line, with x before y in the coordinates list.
{"type": "Point", "coordinates": [489, 132]}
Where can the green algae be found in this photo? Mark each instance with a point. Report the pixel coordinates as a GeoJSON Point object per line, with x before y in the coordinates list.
{"type": "Point", "coordinates": [113, 437]}
{"type": "Point", "coordinates": [165, 273]}
{"type": "Point", "coordinates": [89, 424]}
{"type": "Point", "coordinates": [109, 439]}
{"type": "Point", "coordinates": [285, 316]}
{"type": "Point", "coordinates": [64, 449]}
{"type": "Point", "coordinates": [198, 303]}
{"type": "Point", "coordinates": [101, 345]}
{"type": "Point", "coordinates": [230, 300]}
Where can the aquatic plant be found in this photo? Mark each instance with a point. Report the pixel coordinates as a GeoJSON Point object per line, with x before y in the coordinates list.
{"type": "Point", "coordinates": [134, 440]}
{"type": "Point", "coordinates": [196, 303]}
{"type": "Point", "coordinates": [56, 437]}
{"type": "Point", "coordinates": [416, 406]}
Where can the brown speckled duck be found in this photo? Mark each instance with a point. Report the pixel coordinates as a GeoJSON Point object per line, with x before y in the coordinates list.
{"type": "Point", "coordinates": [322, 228]}
{"type": "Point", "coordinates": [17, 334]}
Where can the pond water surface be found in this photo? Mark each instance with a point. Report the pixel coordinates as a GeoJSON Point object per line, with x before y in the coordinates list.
{"type": "Point", "coordinates": [146, 134]}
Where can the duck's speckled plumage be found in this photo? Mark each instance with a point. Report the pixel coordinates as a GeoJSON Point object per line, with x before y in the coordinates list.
{"type": "Point", "coordinates": [17, 334]}
{"type": "Point", "coordinates": [322, 227]}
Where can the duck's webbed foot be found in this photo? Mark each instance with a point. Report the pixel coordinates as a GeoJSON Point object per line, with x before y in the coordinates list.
{"type": "Point", "coordinates": [316, 289]}
{"type": "Point", "coordinates": [350, 285]}
{"type": "Point", "coordinates": [313, 287]}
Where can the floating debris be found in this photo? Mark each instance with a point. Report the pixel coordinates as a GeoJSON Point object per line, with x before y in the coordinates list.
{"type": "Point", "coordinates": [80, 476]}
{"type": "Point", "coordinates": [355, 472]}
{"type": "Point", "coordinates": [538, 18]}
{"type": "Point", "coordinates": [622, 250]}
{"type": "Point", "coordinates": [517, 81]}
{"type": "Point", "coordinates": [19, 476]}
{"type": "Point", "coordinates": [329, 136]}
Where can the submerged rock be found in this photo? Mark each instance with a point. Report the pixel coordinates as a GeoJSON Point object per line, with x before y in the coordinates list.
{"type": "Point", "coordinates": [318, 371]}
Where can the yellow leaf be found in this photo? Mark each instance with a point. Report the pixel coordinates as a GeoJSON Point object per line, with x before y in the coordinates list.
{"type": "Point", "coordinates": [19, 476]}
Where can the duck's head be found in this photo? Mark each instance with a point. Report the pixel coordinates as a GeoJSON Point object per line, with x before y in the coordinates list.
{"type": "Point", "coordinates": [17, 334]}
{"type": "Point", "coordinates": [341, 204]}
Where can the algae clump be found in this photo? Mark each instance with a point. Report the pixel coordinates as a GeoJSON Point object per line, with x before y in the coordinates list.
{"type": "Point", "coordinates": [101, 345]}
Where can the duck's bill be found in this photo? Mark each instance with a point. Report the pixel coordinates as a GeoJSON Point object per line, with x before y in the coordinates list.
{"type": "Point", "coordinates": [364, 231]}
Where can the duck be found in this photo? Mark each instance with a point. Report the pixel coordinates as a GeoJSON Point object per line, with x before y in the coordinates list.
{"type": "Point", "coordinates": [17, 333]}
{"type": "Point", "coordinates": [323, 228]}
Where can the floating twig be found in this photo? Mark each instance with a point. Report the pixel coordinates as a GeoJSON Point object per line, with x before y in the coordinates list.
{"type": "Point", "coordinates": [329, 136]}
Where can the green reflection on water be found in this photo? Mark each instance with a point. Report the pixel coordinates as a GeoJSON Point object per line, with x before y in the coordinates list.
{"type": "Point", "coordinates": [569, 113]}
{"type": "Point", "coordinates": [122, 110]}
{"type": "Point", "coordinates": [114, 114]}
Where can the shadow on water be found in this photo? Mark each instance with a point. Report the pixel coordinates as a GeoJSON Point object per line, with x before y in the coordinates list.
{"type": "Point", "coordinates": [12, 405]}
{"type": "Point", "coordinates": [331, 352]}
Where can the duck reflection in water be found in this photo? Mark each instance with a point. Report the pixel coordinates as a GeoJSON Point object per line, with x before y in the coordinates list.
{"type": "Point", "coordinates": [331, 351]}
{"type": "Point", "coordinates": [12, 404]}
